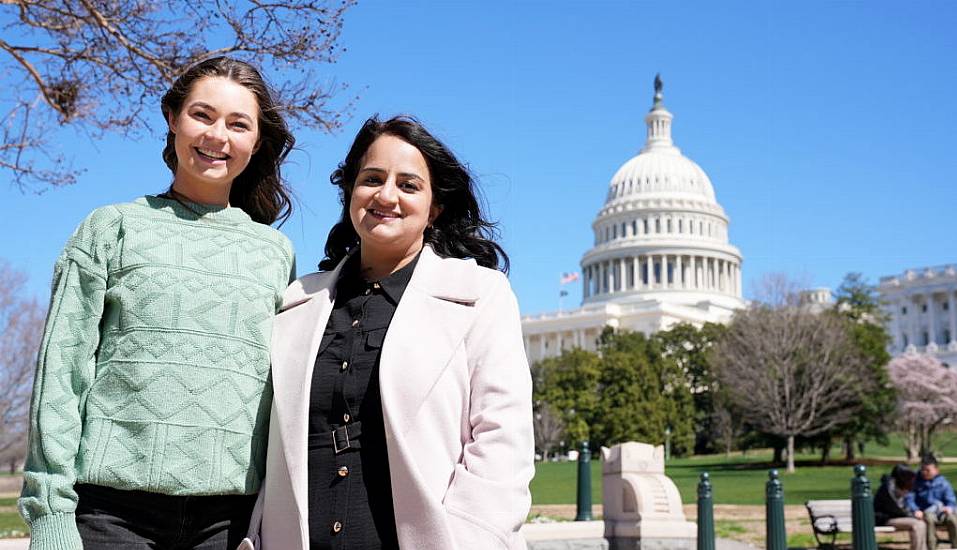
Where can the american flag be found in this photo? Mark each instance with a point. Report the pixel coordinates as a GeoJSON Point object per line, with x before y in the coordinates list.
{"type": "Point", "coordinates": [569, 278]}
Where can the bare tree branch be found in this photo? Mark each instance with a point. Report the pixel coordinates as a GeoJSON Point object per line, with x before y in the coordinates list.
{"type": "Point", "coordinates": [21, 327]}
{"type": "Point", "coordinates": [790, 371]}
{"type": "Point", "coordinates": [101, 65]}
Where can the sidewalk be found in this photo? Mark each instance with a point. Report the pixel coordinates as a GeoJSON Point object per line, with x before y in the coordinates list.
{"type": "Point", "coordinates": [16, 544]}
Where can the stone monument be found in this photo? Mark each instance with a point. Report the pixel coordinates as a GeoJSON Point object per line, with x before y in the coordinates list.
{"type": "Point", "coordinates": [642, 507]}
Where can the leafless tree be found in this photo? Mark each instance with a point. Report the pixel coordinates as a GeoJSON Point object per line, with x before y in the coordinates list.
{"type": "Point", "coordinates": [101, 65]}
{"type": "Point", "coordinates": [21, 327]}
{"type": "Point", "coordinates": [778, 290]}
{"type": "Point", "coordinates": [926, 399]}
{"type": "Point", "coordinates": [548, 429]}
{"type": "Point", "coordinates": [791, 372]}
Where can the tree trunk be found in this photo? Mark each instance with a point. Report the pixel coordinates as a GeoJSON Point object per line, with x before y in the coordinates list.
{"type": "Point", "coordinates": [849, 448]}
{"type": "Point", "coordinates": [912, 442]}
{"type": "Point", "coordinates": [778, 454]}
{"type": "Point", "coordinates": [826, 451]}
{"type": "Point", "coordinates": [790, 454]}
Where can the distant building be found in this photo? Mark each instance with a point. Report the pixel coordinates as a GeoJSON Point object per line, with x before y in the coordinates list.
{"type": "Point", "coordinates": [661, 253]}
{"type": "Point", "coordinates": [817, 300]}
{"type": "Point", "coordinates": [921, 310]}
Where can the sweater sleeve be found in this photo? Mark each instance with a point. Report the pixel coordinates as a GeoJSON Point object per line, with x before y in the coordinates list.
{"type": "Point", "coordinates": [65, 371]}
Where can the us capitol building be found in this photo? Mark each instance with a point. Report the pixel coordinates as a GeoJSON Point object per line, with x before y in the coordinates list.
{"type": "Point", "coordinates": [661, 253]}
{"type": "Point", "coordinates": [920, 306]}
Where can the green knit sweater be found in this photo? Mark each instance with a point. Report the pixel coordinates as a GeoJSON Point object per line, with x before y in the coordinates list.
{"type": "Point", "coordinates": [153, 373]}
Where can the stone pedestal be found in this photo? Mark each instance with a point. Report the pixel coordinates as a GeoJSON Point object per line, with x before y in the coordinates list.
{"type": "Point", "coordinates": [642, 507]}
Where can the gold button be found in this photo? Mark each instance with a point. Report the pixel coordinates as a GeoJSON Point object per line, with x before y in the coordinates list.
{"type": "Point", "coordinates": [346, 417]}
{"type": "Point", "coordinates": [343, 471]}
{"type": "Point", "coordinates": [355, 323]}
{"type": "Point", "coordinates": [367, 291]}
{"type": "Point", "coordinates": [376, 285]}
{"type": "Point", "coordinates": [345, 365]}
{"type": "Point", "coordinates": [336, 527]}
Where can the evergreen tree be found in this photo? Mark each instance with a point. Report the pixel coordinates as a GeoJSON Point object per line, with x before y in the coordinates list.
{"type": "Point", "coordinates": [641, 393]}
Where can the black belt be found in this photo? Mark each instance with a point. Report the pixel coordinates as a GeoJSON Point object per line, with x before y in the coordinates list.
{"type": "Point", "coordinates": [340, 439]}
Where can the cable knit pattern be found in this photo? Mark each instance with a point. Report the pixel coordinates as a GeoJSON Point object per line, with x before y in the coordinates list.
{"type": "Point", "coordinates": [153, 373]}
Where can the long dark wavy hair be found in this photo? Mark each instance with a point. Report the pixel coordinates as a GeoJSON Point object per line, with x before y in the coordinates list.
{"type": "Point", "coordinates": [459, 231]}
{"type": "Point", "coordinates": [259, 190]}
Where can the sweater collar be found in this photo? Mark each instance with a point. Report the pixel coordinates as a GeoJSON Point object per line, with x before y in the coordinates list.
{"type": "Point", "coordinates": [189, 210]}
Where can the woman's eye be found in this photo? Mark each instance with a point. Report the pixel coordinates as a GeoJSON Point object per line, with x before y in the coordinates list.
{"type": "Point", "coordinates": [241, 126]}
{"type": "Point", "coordinates": [408, 186]}
{"type": "Point", "coordinates": [201, 115]}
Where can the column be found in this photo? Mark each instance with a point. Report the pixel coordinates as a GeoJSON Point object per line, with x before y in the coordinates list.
{"type": "Point", "coordinates": [541, 346]}
{"type": "Point", "coordinates": [636, 272]}
{"type": "Point", "coordinates": [912, 312]}
{"type": "Point", "coordinates": [952, 309]}
{"type": "Point", "coordinates": [585, 279]}
{"type": "Point", "coordinates": [607, 275]}
{"type": "Point", "coordinates": [725, 277]}
{"type": "Point", "coordinates": [693, 272]}
{"type": "Point", "coordinates": [931, 319]}
{"type": "Point", "coordinates": [898, 329]}
{"type": "Point", "coordinates": [621, 275]}
{"type": "Point", "coordinates": [679, 271]}
{"type": "Point", "coordinates": [559, 343]}
{"type": "Point", "coordinates": [528, 345]}
{"type": "Point", "coordinates": [649, 272]}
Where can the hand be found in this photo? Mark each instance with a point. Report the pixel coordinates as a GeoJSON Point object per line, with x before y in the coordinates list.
{"type": "Point", "coordinates": [919, 514]}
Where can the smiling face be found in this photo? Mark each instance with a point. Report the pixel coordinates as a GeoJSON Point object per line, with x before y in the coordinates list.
{"type": "Point", "coordinates": [391, 201]}
{"type": "Point", "coordinates": [216, 133]}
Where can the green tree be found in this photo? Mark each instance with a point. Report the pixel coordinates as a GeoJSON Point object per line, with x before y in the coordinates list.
{"type": "Point", "coordinates": [689, 347]}
{"type": "Point", "coordinates": [641, 393]}
{"type": "Point", "coordinates": [858, 304]}
{"type": "Point", "coordinates": [567, 386]}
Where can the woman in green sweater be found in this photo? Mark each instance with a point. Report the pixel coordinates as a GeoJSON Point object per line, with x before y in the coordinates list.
{"type": "Point", "coordinates": [151, 402]}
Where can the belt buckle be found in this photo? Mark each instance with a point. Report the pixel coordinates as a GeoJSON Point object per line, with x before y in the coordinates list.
{"type": "Point", "coordinates": [335, 444]}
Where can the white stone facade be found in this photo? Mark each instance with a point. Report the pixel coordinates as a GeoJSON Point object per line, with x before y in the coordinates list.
{"type": "Point", "coordinates": [661, 253]}
{"type": "Point", "coordinates": [921, 307]}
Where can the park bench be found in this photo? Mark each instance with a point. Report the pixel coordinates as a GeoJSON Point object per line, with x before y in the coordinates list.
{"type": "Point", "coordinates": [830, 517]}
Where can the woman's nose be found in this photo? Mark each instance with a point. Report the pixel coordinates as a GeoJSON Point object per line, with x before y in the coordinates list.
{"type": "Point", "coordinates": [388, 192]}
{"type": "Point", "coordinates": [216, 132]}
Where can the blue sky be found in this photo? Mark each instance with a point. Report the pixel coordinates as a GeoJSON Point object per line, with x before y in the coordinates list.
{"type": "Point", "coordinates": [827, 128]}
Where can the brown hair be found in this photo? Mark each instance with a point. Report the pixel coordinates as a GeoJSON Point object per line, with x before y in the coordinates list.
{"type": "Point", "coordinates": [460, 230]}
{"type": "Point", "coordinates": [259, 190]}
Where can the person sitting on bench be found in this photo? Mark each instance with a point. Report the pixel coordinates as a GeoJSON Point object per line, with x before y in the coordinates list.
{"type": "Point", "coordinates": [933, 501]}
{"type": "Point", "coordinates": [890, 506]}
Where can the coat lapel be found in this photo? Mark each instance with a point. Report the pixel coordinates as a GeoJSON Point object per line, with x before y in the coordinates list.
{"type": "Point", "coordinates": [429, 324]}
{"type": "Point", "coordinates": [297, 333]}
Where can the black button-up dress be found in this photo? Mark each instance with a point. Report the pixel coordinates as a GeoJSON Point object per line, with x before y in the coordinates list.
{"type": "Point", "coordinates": [350, 493]}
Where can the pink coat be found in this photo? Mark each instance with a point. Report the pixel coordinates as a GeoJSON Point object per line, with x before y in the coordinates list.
{"type": "Point", "coordinates": [456, 400]}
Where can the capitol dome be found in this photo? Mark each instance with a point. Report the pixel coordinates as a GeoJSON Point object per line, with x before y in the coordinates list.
{"type": "Point", "coordinates": [661, 253]}
{"type": "Point", "coordinates": [661, 230]}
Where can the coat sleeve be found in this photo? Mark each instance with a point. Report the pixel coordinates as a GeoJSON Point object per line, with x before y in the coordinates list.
{"type": "Point", "coordinates": [488, 494]}
{"type": "Point", "coordinates": [65, 371]}
{"type": "Point", "coordinates": [948, 496]}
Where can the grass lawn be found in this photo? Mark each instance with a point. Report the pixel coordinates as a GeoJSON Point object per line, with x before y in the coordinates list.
{"type": "Point", "coordinates": [11, 525]}
{"type": "Point", "coordinates": [735, 480]}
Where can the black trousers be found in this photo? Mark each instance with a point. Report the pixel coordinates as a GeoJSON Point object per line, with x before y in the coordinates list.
{"type": "Point", "coordinates": [110, 519]}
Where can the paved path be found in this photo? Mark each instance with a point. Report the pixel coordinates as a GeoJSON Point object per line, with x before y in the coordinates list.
{"type": "Point", "coordinates": [720, 544]}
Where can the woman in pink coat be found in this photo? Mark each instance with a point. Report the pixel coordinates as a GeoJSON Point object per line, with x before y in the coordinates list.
{"type": "Point", "coordinates": [402, 413]}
